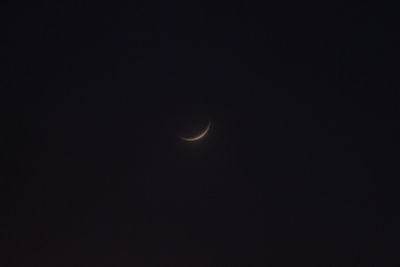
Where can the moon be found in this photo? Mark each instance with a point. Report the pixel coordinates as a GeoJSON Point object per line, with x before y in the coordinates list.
{"type": "Point", "coordinates": [198, 137]}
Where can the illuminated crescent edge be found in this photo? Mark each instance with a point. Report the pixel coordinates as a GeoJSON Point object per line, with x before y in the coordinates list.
{"type": "Point", "coordinates": [199, 136]}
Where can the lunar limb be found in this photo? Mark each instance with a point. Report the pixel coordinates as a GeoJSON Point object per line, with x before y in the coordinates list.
{"type": "Point", "coordinates": [198, 137]}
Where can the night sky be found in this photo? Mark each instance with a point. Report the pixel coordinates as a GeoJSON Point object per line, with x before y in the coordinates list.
{"type": "Point", "coordinates": [300, 166]}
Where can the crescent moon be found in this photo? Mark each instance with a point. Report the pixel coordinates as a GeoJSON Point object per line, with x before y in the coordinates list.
{"type": "Point", "coordinates": [192, 139]}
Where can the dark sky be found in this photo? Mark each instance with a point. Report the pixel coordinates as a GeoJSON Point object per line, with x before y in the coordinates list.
{"type": "Point", "coordinates": [299, 168]}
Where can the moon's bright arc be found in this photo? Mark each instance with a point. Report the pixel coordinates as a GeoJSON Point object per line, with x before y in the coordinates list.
{"type": "Point", "coordinates": [192, 139]}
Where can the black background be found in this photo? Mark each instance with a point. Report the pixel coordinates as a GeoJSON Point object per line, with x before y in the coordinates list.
{"type": "Point", "coordinates": [300, 167]}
